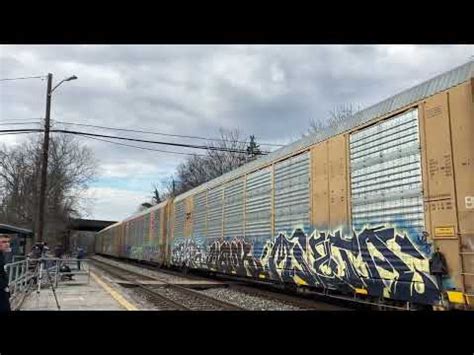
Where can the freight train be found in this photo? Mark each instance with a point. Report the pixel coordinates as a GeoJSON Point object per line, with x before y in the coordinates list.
{"type": "Point", "coordinates": [357, 210]}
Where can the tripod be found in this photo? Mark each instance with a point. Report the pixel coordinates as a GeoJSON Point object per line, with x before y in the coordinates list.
{"type": "Point", "coordinates": [40, 278]}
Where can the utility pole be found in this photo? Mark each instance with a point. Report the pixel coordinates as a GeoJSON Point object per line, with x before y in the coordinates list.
{"type": "Point", "coordinates": [44, 163]}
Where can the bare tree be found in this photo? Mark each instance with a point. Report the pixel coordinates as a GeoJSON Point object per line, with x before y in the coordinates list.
{"type": "Point", "coordinates": [72, 167]}
{"type": "Point", "coordinates": [336, 117]}
{"type": "Point", "coordinates": [316, 126]}
{"type": "Point", "coordinates": [230, 152]}
{"type": "Point", "coordinates": [218, 162]}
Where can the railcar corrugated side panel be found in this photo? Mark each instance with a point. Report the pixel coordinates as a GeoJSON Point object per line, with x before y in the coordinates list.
{"type": "Point", "coordinates": [449, 181]}
{"type": "Point", "coordinates": [461, 107]}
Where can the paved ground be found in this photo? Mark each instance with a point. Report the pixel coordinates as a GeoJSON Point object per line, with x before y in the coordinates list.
{"type": "Point", "coordinates": [96, 294]}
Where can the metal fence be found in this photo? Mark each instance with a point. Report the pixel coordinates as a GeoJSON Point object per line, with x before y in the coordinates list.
{"type": "Point", "coordinates": [20, 279]}
{"type": "Point", "coordinates": [30, 274]}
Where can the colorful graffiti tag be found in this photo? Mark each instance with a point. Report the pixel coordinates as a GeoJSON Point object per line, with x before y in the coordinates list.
{"type": "Point", "coordinates": [146, 252]}
{"type": "Point", "coordinates": [379, 260]}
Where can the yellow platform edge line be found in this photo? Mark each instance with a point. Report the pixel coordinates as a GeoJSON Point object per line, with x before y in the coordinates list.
{"type": "Point", "coordinates": [115, 295]}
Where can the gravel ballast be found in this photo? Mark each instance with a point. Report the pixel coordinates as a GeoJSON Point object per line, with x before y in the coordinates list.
{"type": "Point", "coordinates": [249, 302]}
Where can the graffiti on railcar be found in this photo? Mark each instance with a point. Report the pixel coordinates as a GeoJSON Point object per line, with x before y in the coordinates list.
{"type": "Point", "coordinates": [384, 262]}
{"type": "Point", "coordinates": [233, 255]}
{"type": "Point", "coordinates": [143, 252]}
{"type": "Point", "coordinates": [226, 255]}
{"type": "Point", "coordinates": [188, 251]}
{"type": "Point", "coordinates": [380, 260]}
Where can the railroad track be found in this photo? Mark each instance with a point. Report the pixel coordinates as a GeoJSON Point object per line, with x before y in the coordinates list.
{"type": "Point", "coordinates": [253, 288]}
{"type": "Point", "coordinates": [167, 296]}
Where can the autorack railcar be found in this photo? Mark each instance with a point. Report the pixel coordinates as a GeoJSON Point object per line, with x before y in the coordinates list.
{"type": "Point", "coordinates": [343, 209]}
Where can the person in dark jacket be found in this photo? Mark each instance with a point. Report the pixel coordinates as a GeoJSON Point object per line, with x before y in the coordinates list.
{"type": "Point", "coordinates": [45, 250]}
{"type": "Point", "coordinates": [438, 267]}
{"type": "Point", "coordinates": [58, 251]}
{"type": "Point", "coordinates": [33, 261]}
{"type": "Point", "coordinates": [4, 291]}
{"type": "Point", "coordinates": [80, 256]}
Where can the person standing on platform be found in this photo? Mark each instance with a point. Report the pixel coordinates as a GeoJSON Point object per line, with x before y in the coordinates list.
{"type": "Point", "coordinates": [58, 251]}
{"type": "Point", "coordinates": [439, 268]}
{"type": "Point", "coordinates": [4, 291]}
{"type": "Point", "coordinates": [80, 255]}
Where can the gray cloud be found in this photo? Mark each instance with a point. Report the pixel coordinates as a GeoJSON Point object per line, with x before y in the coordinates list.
{"type": "Point", "coordinates": [270, 91]}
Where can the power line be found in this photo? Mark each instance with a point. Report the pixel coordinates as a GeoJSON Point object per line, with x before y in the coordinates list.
{"type": "Point", "coordinates": [15, 133]}
{"type": "Point", "coordinates": [5, 132]}
{"type": "Point", "coordinates": [229, 150]}
{"type": "Point", "coordinates": [22, 78]}
{"type": "Point", "coordinates": [17, 123]}
{"type": "Point", "coordinates": [130, 130]}
{"type": "Point", "coordinates": [134, 146]}
{"type": "Point", "coordinates": [21, 130]}
{"type": "Point", "coordinates": [160, 134]}
{"type": "Point", "coordinates": [131, 139]}
{"type": "Point", "coordinates": [22, 119]}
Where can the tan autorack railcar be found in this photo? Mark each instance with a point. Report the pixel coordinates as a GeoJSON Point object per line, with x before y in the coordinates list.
{"type": "Point", "coordinates": [139, 237]}
{"type": "Point", "coordinates": [358, 209]}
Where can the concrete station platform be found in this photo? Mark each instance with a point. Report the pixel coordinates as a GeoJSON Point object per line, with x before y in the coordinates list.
{"type": "Point", "coordinates": [95, 295]}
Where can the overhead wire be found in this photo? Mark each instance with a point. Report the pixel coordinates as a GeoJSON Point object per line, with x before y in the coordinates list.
{"type": "Point", "coordinates": [128, 139]}
{"type": "Point", "coordinates": [230, 150]}
{"type": "Point", "coordinates": [143, 148]}
{"type": "Point", "coordinates": [2, 123]}
{"type": "Point", "coordinates": [15, 133]}
{"type": "Point", "coordinates": [22, 119]}
{"type": "Point", "coordinates": [21, 130]}
{"type": "Point", "coordinates": [17, 123]}
{"type": "Point", "coordinates": [159, 133]}
{"type": "Point", "coordinates": [25, 77]}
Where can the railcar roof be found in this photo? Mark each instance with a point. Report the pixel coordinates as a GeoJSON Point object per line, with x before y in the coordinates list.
{"type": "Point", "coordinates": [145, 212]}
{"type": "Point", "coordinates": [405, 98]}
{"type": "Point", "coordinates": [138, 214]}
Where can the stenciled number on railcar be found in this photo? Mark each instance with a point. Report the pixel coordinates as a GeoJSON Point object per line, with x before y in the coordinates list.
{"type": "Point", "coordinates": [469, 202]}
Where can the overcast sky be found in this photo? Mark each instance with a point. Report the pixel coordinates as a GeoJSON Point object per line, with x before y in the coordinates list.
{"type": "Point", "coordinates": [269, 91]}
